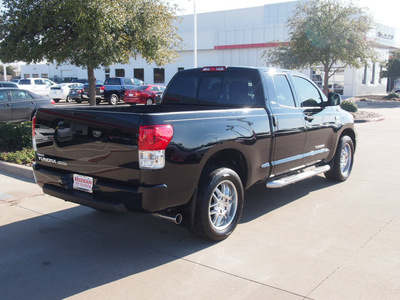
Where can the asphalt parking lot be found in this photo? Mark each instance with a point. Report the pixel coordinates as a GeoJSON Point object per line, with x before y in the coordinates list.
{"type": "Point", "coordinates": [311, 240]}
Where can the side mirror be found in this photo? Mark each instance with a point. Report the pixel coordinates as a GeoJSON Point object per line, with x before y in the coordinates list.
{"type": "Point", "coordinates": [334, 99]}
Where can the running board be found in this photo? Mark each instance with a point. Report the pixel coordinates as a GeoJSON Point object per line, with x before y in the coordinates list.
{"type": "Point", "coordinates": [278, 183]}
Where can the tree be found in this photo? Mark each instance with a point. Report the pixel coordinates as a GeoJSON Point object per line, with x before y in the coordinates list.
{"type": "Point", "coordinates": [392, 66]}
{"type": "Point", "coordinates": [88, 33]}
{"type": "Point", "coordinates": [327, 33]}
{"type": "Point", "coordinates": [9, 70]}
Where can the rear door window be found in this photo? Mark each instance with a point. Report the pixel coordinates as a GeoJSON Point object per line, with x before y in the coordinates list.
{"type": "Point", "coordinates": [20, 95]}
{"type": "Point", "coordinates": [234, 88]}
{"type": "Point", "coordinates": [3, 96]}
{"type": "Point", "coordinates": [24, 82]}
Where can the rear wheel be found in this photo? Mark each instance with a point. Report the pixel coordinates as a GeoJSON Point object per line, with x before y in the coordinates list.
{"type": "Point", "coordinates": [219, 204]}
{"type": "Point", "coordinates": [342, 163]}
{"type": "Point", "coordinates": [98, 101]}
{"type": "Point", "coordinates": [78, 101]}
{"type": "Point", "coordinates": [56, 100]}
{"type": "Point", "coordinates": [68, 99]}
{"type": "Point", "coordinates": [114, 99]}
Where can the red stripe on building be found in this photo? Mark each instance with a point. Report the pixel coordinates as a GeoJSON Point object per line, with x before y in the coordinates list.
{"type": "Point", "coordinates": [258, 45]}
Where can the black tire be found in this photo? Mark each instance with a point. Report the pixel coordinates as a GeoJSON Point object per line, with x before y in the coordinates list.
{"type": "Point", "coordinates": [217, 214]}
{"type": "Point", "coordinates": [78, 101]}
{"type": "Point", "coordinates": [68, 99]}
{"type": "Point", "coordinates": [98, 101]}
{"type": "Point", "coordinates": [113, 99]}
{"type": "Point", "coordinates": [56, 100]}
{"type": "Point", "coordinates": [149, 101]}
{"type": "Point", "coordinates": [342, 163]}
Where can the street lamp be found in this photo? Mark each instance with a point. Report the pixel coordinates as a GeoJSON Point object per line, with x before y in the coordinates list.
{"type": "Point", "coordinates": [195, 33]}
{"type": "Point", "coordinates": [5, 72]}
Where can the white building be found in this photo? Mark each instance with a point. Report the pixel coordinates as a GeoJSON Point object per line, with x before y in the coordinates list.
{"type": "Point", "coordinates": [235, 37]}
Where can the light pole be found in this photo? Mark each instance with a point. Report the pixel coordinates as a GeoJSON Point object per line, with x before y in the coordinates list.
{"type": "Point", "coordinates": [195, 33]}
{"type": "Point", "coordinates": [5, 72]}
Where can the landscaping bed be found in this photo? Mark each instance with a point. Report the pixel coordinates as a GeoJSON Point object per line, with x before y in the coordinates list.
{"type": "Point", "coordinates": [16, 143]}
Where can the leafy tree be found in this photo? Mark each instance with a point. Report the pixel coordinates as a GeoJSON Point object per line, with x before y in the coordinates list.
{"type": "Point", "coordinates": [392, 66]}
{"type": "Point", "coordinates": [88, 33]}
{"type": "Point", "coordinates": [328, 33]}
{"type": "Point", "coordinates": [9, 70]}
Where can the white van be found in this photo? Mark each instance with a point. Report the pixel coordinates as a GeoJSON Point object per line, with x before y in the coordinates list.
{"type": "Point", "coordinates": [40, 86]}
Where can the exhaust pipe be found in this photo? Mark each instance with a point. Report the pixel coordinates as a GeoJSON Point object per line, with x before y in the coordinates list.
{"type": "Point", "coordinates": [176, 219]}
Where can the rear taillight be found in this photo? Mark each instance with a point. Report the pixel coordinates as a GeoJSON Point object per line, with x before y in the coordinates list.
{"type": "Point", "coordinates": [53, 102]}
{"type": "Point", "coordinates": [80, 91]}
{"type": "Point", "coordinates": [33, 133]}
{"type": "Point", "coordinates": [152, 142]}
{"type": "Point", "coordinates": [213, 69]}
{"type": "Point", "coordinates": [102, 88]}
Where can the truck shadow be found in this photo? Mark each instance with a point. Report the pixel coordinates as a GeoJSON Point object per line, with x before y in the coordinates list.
{"type": "Point", "coordinates": [76, 249]}
{"type": "Point", "coordinates": [260, 201]}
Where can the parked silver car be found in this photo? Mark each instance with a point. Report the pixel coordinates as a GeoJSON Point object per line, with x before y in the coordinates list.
{"type": "Point", "coordinates": [18, 105]}
{"type": "Point", "coordinates": [396, 86]}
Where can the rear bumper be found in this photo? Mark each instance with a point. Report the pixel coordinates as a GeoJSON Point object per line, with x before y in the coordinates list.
{"type": "Point", "coordinates": [133, 100]}
{"type": "Point", "coordinates": [106, 195]}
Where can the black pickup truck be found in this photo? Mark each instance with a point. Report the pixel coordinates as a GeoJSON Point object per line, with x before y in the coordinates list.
{"type": "Point", "coordinates": [217, 132]}
{"type": "Point", "coordinates": [115, 87]}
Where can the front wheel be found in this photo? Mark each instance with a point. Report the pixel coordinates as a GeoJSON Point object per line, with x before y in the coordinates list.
{"type": "Point", "coordinates": [219, 204]}
{"type": "Point", "coordinates": [149, 101]}
{"type": "Point", "coordinates": [342, 163]}
{"type": "Point", "coordinates": [68, 99]}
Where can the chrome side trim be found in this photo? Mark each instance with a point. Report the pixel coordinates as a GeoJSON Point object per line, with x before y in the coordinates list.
{"type": "Point", "coordinates": [266, 165]}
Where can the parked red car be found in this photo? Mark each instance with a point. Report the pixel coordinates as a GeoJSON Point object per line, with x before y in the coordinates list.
{"type": "Point", "coordinates": [145, 94]}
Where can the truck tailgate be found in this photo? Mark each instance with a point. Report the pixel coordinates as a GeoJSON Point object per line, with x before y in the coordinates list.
{"type": "Point", "coordinates": [98, 144]}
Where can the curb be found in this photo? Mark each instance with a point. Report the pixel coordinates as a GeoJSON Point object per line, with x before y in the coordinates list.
{"type": "Point", "coordinates": [370, 120]}
{"type": "Point", "coordinates": [17, 170]}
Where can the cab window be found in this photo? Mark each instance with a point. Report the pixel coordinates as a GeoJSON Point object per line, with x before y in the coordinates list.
{"type": "Point", "coordinates": [309, 95]}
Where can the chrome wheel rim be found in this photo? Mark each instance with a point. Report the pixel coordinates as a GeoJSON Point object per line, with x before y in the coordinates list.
{"type": "Point", "coordinates": [345, 159]}
{"type": "Point", "coordinates": [114, 100]}
{"type": "Point", "coordinates": [223, 205]}
{"type": "Point", "coordinates": [149, 102]}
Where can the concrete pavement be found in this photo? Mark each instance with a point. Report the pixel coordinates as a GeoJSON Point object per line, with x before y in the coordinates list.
{"type": "Point", "coordinates": [312, 240]}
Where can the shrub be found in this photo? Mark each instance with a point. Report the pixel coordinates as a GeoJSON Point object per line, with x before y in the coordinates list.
{"type": "Point", "coordinates": [15, 136]}
{"type": "Point", "coordinates": [392, 96]}
{"type": "Point", "coordinates": [25, 156]}
{"type": "Point", "coordinates": [349, 106]}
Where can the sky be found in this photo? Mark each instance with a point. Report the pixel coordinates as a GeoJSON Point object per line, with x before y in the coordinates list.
{"type": "Point", "coordinates": [384, 11]}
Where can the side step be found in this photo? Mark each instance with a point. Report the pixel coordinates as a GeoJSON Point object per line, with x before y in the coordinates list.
{"type": "Point", "coordinates": [278, 183]}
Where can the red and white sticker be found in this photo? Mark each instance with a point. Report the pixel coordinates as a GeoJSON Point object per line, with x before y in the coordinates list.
{"type": "Point", "coordinates": [83, 183]}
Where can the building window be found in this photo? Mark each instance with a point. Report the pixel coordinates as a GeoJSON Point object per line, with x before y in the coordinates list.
{"type": "Point", "coordinates": [181, 69]}
{"type": "Point", "coordinates": [119, 72]}
{"type": "Point", "coordinates": [107, 72]}
{"type": "Point", "coordinates": [45, 75]}
{"type": "Point", "coordinates": [35, 75]}
{"type": "Point", "coordinates": [138, 74]}
{"type": "Point", "coordinates": [159, 75]}
{"type": "Point", "coordinates": [26, 76]}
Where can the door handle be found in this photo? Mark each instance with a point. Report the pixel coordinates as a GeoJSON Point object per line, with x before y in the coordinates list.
{"type": "Point", "coordinates": [309, 118]}
{"type": "Point", "coordinates": [274, 121]}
